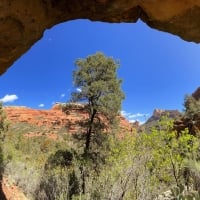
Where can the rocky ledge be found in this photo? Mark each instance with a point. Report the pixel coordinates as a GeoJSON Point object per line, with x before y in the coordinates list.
{"type": "Point", "coordinates": [22, 22]}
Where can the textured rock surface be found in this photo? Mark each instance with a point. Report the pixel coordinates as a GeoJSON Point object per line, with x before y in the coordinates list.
{"type": "Point", "coordinates": [156, 117]}
{"type": "Point", "coordinates": [23, 22]}
{"type": "Point", "coordinates": [158, 113]}
{"type": "Point", "coordinates": [11, 191]}
{"type": "Point", "coordinates": [54, 119]}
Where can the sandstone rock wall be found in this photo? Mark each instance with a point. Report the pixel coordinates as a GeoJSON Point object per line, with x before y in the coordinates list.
{"type": "Point", "coordinates": [54, 119]}
{"type": "Point", "coordinates": [22, 22]}
{"type": "Point", "coordinates": [159, 113]}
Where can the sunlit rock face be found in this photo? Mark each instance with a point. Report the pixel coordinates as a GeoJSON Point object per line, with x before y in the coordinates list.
{"type": "Point", "coordinates": [23, 22]}
{"type": "Point", "coordinates": [55, 118]}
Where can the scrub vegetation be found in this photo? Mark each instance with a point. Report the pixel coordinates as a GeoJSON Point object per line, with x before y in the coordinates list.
{"type": "Point", "coordinates": [98, 163]}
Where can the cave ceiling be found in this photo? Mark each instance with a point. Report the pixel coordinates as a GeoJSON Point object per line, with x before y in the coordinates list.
{"type": "Point", "coordinates": [22, 22]}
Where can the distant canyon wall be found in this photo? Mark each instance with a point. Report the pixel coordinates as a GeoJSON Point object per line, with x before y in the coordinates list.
{"type": "Point", "coordinates": [55, 119]}
{"type": "Point", "coordinates": [23, 22]}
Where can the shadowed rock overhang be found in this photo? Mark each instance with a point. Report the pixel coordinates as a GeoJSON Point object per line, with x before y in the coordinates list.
{"type": "Point", "coordinates": [22, 22]}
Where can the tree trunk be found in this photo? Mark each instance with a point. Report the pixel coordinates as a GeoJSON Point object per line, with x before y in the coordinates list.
{"type": "Point", "coordinates": [82, 169]}
{"type": "Point", "coordinates": [87, 147]}
{"type": "Point", "coordinates": [89, 132]}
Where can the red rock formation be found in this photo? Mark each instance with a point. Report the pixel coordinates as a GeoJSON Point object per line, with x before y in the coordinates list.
{"type": "Point", "coordinates": [11, 191]}
{"type": "Point", "coordinates": [158, 113]}
{"type": "Point", "coordinates": [54, 119]}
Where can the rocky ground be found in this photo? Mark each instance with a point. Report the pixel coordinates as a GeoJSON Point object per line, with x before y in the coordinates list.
{"type": "Point", "coordinates": [11, 191]}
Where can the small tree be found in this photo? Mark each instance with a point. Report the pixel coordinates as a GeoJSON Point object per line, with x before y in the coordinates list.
{"type": "Point", "coordinates": [3, 121]}
{"type": "Point", "coordinates": [100, 89]}
{"type": "Point", "coordinates": [192, 114]}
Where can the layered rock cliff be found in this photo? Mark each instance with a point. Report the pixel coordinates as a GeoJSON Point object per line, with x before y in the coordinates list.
{"type": "Point", "coordinates": [156, 117]}
{"type": "Point", "coordinates": [158, 113]}
{"type": "Point", "coordinates": [23, 22]}
{"type": "Point", "coordinates": [54, 119]}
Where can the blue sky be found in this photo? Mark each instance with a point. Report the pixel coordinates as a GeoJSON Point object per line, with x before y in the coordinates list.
{"type": "Point", "coordinates": [157, 68]}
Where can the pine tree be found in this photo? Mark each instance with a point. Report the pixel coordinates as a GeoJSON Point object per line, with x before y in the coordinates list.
{"type": "Point", "coordinates": [99, 89]}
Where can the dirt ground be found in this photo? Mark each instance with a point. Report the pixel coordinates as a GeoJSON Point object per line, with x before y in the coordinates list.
{"type": "Point", "coordinates": [11, 191]}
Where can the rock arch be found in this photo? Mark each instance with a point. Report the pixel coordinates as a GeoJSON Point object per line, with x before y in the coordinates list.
{"type": "Point", "coordinates": [23, 22]}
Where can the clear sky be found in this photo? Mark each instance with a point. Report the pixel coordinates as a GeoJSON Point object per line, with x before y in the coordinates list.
{"type": "Point", "coordinates": [157, 68]}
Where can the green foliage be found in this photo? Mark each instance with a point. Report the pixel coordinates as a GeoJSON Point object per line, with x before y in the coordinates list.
{"type": "Point", "coordinates": [60, 176]}
{"type": "Point", "coordinates": [144, 165]}
{"type": "Point", "coordinates": [53, 185]}
{"type": "Point", "coordinates": [3, 129]}
{"type": "Point", "coordinates": [192, 107]}
{"type": "Point", "coordinates": [99, 86]}
{"type": "Point", "coordinates": [3, 121]}
{"type": "Point", "coordinates": [139, 166]}
{"type": "Point", "coordinates": [192, 115]}
{"type": "Point", "coordinates": [25, 157]}
{"type": "Point", "coordinates": [181, 193]}
{"type": "Point", "coordinates": [62, 158]}
{"type": "Point", "coordinates": [170, 151]}
{"type": "Point", "coordinates": [100, 91]}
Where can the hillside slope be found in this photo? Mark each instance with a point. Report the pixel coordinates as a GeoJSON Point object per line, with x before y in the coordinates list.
{"type": "Point", "coordinates": [44, 132]}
